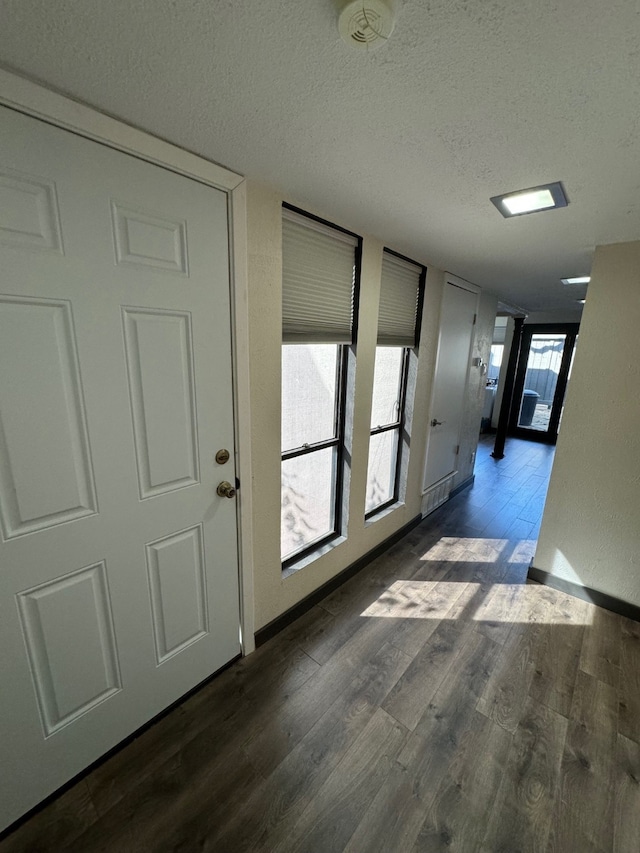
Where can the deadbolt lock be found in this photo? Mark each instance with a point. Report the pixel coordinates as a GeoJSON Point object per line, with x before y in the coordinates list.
{"type": "Point", "coordinates": [222, 456]}
{"type": "Point", "coordinates": [226, 490]}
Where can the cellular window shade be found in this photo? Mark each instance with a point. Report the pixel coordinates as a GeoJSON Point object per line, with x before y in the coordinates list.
{"type": "Point", "coordinates": [318, 267]}
{"type": "Point", "coordinates": [499, 330]}
{"type": "Point", "coordinates": [399, 295]}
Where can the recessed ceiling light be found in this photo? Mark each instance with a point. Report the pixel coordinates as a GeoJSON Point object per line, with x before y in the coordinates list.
{"type": "Point", "coordinates": [545, 197]}
{"type": "Point", "coordinates": [581, 279]}
{"type": "Point", "coordinates": [581, 301]}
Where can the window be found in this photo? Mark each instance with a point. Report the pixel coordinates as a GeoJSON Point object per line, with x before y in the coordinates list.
{"type": "Point", "coordinates": [311, 421]}
{"type": "Point", "coordinates": [401, 295]}
{"type": "Point", "coordinates": [497, 350]}
{"type": "Point", "coordinates": [495, 363]}
{"type": "Point", "coordinates": [320, 272]}
{"type": "Point", "coordinates": [386, 422]}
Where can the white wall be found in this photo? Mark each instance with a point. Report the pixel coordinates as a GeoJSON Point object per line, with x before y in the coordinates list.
{"type": "Point", "coordinates": [470, 429]}
{"type": "Point", "coordinates": [590, 531]}
{"type": "Point", "coordinates": [274, 592]}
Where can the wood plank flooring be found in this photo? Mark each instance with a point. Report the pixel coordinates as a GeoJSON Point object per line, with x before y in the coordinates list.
{"type": "Point", "coordinates": [435, 702]}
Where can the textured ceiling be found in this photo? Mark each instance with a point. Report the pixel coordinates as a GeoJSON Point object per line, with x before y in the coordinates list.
{"type": "Point", "coordinates": [467, 99]}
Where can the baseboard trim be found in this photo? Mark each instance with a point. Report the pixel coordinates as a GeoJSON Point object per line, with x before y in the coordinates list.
{"type": "Point", "coordinates": [594, 596]}
{"type": "Point", "coordinates": [465, 485]}
{"type": "Point", "coordinates": [289, 616]}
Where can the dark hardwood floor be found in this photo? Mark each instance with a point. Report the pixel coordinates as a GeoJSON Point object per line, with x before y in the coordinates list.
{"type": "Point", "coordinates": [435, 702]}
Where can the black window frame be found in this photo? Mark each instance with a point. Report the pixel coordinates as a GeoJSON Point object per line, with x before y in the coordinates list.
{"type": "Point", "coordinates": [399, 424]}
{"type": "Point", "coordinates": [340, 420]}
{"type": "Point", "coordinates": [395, 425]}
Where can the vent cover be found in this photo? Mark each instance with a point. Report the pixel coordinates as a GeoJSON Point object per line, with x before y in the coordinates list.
{"type": "Point", "coordinates": [366, 23]}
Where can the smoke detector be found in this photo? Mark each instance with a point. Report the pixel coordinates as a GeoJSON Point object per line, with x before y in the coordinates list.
{"type": "Point", "coordinates": [365, 23]}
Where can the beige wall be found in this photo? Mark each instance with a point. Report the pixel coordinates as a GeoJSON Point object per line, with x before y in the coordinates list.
{"type": "Point", "coordinates": [275, 593]}
{"type": "Point", "coordinates": [590, 531]}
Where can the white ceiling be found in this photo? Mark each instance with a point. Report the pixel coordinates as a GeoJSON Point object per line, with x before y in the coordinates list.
{"type": "Point", "coordinates": [408, 142]}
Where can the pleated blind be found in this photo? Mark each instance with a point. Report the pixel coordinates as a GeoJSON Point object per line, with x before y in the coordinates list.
{"type": "Point", "coordinates": [318, 277]}
{"type": "Point", "coordinates": [500, 330]}
{"type": "Point", "coordinates": [399, 302]}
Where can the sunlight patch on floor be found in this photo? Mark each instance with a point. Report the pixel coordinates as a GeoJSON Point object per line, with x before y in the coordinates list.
{"type": "Point", "coordinates": [415, 600]}
{"type": "Point", "coordinates": [523, 551]}
{"type": "Point", "coordinates": [456, 548]}
{"type": "Point", "coordinates": [524, 604]}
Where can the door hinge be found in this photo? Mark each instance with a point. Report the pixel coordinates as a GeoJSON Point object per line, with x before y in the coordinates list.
{"type": "Point", "coordinates": [475, 317]}
{"type": "Point", "coordinates": [457, 449]}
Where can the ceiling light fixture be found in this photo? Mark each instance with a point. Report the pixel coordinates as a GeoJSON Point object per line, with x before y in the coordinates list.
{"type": "Point", "coordinates": [581, 279]}
{"type": "Point", "coordinates": [544, 197]}
{"type": "Point", "coordinates": [581, 301]}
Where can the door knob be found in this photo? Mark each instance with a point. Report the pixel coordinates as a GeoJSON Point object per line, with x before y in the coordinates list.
{"type": "Point", "coordinates": [434, 422]}
{"type": "Point", "coordinates": [226, 490]}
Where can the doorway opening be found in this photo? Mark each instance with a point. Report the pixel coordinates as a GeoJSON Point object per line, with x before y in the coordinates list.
{"type": "Point", "coordinates": [542, 376]}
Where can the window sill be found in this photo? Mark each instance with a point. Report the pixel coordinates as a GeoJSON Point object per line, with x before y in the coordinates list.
{"type": "Point", "coordinates": [383, 513]}
{"type": "Point", "coordinates": [305, 561]}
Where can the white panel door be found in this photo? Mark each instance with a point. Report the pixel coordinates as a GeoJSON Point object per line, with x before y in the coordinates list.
{"type": "Point", "coordinates": [118, 560]}
{"type": "Point", "coordinates": [450, 382]}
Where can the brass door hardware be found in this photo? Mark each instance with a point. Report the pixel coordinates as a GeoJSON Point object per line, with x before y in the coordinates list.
{"type": "Point", "coordinates": [226, 490]}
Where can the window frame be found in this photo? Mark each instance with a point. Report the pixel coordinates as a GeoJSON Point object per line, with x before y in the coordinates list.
{"type": "Point", "coordinates": [395, 425]}
{"type": "Point", "coordinates": [345, 352]}
{"type": "Point", "coordinates": [337, 442]}
{"type": "Point", "coordinates": [399, 424]}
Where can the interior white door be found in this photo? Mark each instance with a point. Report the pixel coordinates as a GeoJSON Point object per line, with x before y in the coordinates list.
{"type": "Point", "coordinates": [118, 560]}
{"type": "Point", "coordinates": [452, 368]}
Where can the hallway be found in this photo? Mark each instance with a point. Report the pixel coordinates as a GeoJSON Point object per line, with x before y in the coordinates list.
{"type": "Point", "coordinates": [433, 702]}
{"type": "Point", "coordinates": [508, 496]}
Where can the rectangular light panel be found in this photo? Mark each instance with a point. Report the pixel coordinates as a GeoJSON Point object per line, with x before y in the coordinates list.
{"type": "Point", "coordinates": [528, 202]}
{"type": "Point", "coordinates": [581, 279]}
{"type": "Point", "coordinates": [532, 200]}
